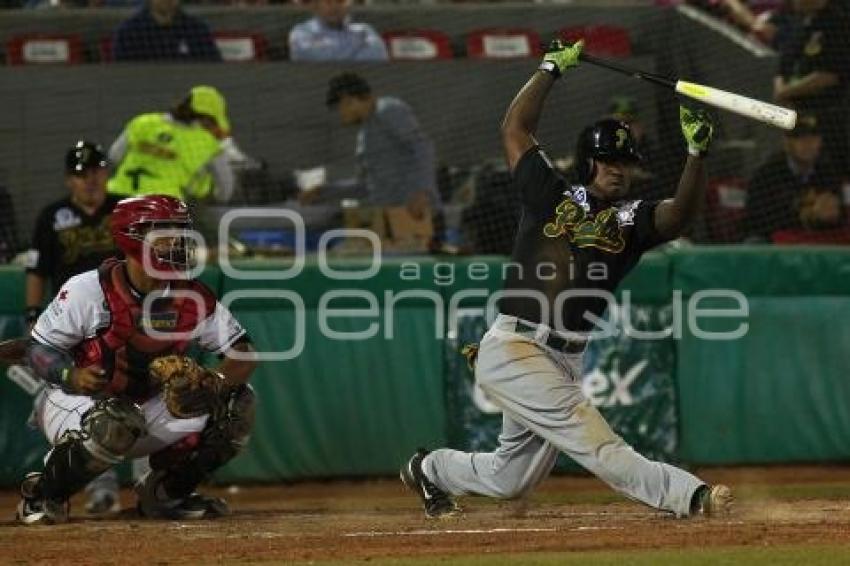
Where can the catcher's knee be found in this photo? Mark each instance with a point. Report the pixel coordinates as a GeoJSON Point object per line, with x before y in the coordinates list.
{"type": "Point", "coordinates": [227, 432]}
{"type": "Point", "coordinates": [111, 427]}
{"type": "Point", "coordinates": [241, 411]}
{"type": "Point", "coordinates": [230, 430]}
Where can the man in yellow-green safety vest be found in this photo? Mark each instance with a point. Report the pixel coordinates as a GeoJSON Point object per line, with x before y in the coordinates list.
{"type": "Point", "coordinates": [178, 153]}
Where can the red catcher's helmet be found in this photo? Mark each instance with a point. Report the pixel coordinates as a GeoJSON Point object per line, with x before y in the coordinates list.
{"type": "Point", "coordinates": [133, 218]}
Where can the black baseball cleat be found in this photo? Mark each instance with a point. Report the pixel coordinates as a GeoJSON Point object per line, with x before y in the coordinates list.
{"type": "Point", "coordinates": [34, 508]}
{"type": "Point", "coordinates": [154, 504]}
{"type": "Point", "coordinates": [436, 502]}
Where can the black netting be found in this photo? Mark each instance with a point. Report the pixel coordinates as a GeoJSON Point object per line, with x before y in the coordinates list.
{"type": "Point", "coordinates": [454, 67]}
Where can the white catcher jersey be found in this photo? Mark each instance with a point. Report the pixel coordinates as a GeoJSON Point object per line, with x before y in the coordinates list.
{"type": "Point", "coordinates": [79, 311]}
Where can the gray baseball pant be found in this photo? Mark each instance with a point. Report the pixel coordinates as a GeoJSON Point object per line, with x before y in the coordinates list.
{"type": "Point", "coordinates": [544, 412]}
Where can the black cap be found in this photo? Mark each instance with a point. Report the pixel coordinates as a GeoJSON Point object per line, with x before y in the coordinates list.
{"type": "Point", "coordinates": [84, 155]}
{"type": "Point", "coordinates": [346, 84]}
{"type": "Point", "coordinates": [807, 125]}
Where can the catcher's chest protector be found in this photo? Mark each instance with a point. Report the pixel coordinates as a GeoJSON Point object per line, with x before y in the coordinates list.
{"type": "Point", "coordinates": [126, 347]}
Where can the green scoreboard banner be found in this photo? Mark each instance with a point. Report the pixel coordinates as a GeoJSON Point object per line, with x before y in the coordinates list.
{"type": "Point", "coordinates": [630, 381]}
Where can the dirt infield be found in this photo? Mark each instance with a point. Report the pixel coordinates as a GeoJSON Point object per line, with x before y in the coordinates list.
{"type": "Point", "coordinates": [351, 521]}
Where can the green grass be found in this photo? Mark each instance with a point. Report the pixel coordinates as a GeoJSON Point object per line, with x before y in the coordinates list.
{"type": "Point", "coordinates": [775, 556]}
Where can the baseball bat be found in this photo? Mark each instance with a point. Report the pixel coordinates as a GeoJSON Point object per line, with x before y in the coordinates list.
{"type": "Point", "coordinates": [24, 378]}
{"type": "Point", "coordinates": [778, 116]}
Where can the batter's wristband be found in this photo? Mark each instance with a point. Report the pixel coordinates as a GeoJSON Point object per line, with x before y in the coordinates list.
{"type": "Point", "coordinates": [551, 68]}
{"type": "Point", "coordinates": [31, 314]}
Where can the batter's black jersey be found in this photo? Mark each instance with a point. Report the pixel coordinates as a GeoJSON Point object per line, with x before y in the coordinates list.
{"type": "Point", "coordinates": [67, 241]}
{"type": "Point", "coordinates": [568, 241]}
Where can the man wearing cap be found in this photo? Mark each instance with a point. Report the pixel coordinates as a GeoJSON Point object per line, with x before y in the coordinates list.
{"type": "Point", "coordinates": [180, 153]}
{"type": "Point", "coordinates": [798, 188]}
{"type": "Point", "coordinates": [395, 156]}
{"type": "Point", "coordinates": [330, 35]}
{"type": "Point", "coordinates": [72, 235]}
{"type": "Point", "coordinates": [161, 30]}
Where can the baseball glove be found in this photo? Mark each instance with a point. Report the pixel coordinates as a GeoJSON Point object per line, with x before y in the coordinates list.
{"type": "Point", "coordinates": [188, 389]}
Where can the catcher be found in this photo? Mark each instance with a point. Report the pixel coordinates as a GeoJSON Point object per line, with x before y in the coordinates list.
{"type": "Point", "coordinates": [112, 347]}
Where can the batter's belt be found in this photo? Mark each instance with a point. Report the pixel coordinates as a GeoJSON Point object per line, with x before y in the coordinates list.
{"type": "Point", "coordinates": [542, 334]}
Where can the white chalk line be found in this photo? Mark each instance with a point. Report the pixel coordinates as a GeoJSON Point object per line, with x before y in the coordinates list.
{"type": "Point", "coordinates": [437, 532]}
{"type": "Point", "coordinates": [448, 532]}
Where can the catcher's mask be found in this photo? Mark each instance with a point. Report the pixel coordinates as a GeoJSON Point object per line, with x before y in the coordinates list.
{"type": "Point", "coordinates": [607, 140]}
{"type": "Point", "coordinates": [156, 231]}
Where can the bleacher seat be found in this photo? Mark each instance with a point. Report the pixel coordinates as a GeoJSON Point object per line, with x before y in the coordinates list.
{"type": "Point", "coordinates": [234, 46]}
{"type": "Point", "coordinates": [36, 49]}
{"type": "Point", "coordinates": [503, 43]}
{"type": "Point", "coordinates": [241, 47]}
{"type": "Point", "coordinates": [418, 45]}
{"type": "Point", "coordinates": [613, 41]}
{"type": "Point", "coordinates": [726, 206]}
{"type": "Point", "coordinates": [105, 49]}
{"type": "Point", "coordinates": [826, 237]}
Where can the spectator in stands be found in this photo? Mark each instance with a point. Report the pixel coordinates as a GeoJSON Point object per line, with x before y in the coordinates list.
{"type": "Point", "coordinates": [330, 35]}
{"type": "Point", "coordinates": [799, 188]}
{"type": "Point", "coordinates": [181, 153]}
{"type": "Point", "coordinates": [162, 31]}
{"type": "Point", "coordinates": [396, 158]}
{"type": "Point", "coordinates": [814, 71]}
{"type": "Point", "coordinates": [71, 236]}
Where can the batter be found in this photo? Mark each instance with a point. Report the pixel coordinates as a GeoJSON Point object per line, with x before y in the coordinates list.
{"type": "Point", "coordinates": [588, 235]}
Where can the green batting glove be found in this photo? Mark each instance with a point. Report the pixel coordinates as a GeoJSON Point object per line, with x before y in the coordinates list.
{"type": "Point", "coordinates": [560, 57]}
{"type": "Point", "coordinates": [698, 128]}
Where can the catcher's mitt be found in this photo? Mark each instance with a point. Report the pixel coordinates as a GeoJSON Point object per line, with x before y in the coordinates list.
{"type": "Point", "coordinates": [188, 389]}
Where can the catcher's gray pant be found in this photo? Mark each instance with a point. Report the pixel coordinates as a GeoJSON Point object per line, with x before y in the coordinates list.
{"type": "Point", "coordinates": [544, 412]}
{"type": "Point", "coordinates": [57, 412]}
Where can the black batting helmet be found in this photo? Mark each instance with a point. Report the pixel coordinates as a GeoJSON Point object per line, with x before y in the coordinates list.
{"type": "Point", "coordinates": [84, 155]}
{"type": "Point", "coordinates": [606, 140]}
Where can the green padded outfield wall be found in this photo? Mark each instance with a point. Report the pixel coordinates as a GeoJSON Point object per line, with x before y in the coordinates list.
{"type": "Point", "coordinates": [782, 392]}
{"type": "Point", "coordinates": [358, 407]}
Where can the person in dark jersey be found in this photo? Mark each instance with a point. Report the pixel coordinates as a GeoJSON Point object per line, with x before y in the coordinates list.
{"type": "Point", "coordinates": [575, 243]}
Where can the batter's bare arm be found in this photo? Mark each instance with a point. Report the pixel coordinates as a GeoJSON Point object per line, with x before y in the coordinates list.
{"type": "Point", "coordinates": [520, 123]}
{"type": "Point", "coordinates": [672, 216]}
{"type": "Point", "coordinates": [523, 115]}
{"type": "Point", "coordinates": [14, 350]}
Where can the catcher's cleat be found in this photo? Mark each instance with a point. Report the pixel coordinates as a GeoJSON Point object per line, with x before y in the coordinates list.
{"type": "Point", "coordinates": [154, 504]}
{"type": "Point", "coordinates": [103, 503]}
{"type": "Point", "coordinates": [34, 508]}
{"type": "Point", "coordinates": [436, 502]}
{"type": "Point", "coordinates": [715, 501]}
